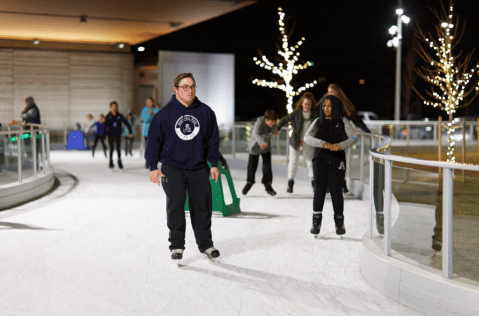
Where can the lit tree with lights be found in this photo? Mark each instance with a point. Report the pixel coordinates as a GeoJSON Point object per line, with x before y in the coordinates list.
{"type": "Point", "coordinates": [286, 69]}
{"type": "Point", "coordinates": [448, 76]}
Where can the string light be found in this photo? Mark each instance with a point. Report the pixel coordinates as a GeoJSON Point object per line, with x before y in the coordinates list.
{"type": "Point", "coordinates": [449, 78]}
{"type": "Point", "coordinates": [287, 70]}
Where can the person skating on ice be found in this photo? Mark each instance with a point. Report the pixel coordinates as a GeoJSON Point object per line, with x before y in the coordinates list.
{"type": "Point", "coordinates": [98, 134]}
{"type": "Point", "coordinates": [260, 144]}
{"type": "Point", "coordinates": [146, 116]}
{"type": "Point", "coordinates": [126, 134]}
{"type": "Point", "coordinates": [301, 118]}
{"type": "Point", "coordinates": [331, 134]}
{"type": "Point", "coordinates": [184, 136]}
{"type": "Point", "coordinates": [113, 129]}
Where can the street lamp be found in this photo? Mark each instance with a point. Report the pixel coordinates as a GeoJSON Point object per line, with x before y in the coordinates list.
{"type": "Point", "coordinates": [396, 42]}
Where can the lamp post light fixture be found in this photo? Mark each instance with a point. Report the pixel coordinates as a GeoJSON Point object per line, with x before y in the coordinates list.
{"type": "Point", "coordinates": [396, 42]}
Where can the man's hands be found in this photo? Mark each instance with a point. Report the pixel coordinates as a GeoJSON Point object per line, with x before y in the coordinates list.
{"type": "Point", "coordinates": [301, 142]}
{"type": "Point", "coordinates": [215, 173]}
{"type": "Point", "coordinates": [264, 146]}
{"type": "Point", "coordinates": [154, 176]}
{"type": "Point", "coordinates": [332, 147]}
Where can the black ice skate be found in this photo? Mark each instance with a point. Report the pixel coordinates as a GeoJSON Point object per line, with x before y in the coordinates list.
{"type": "Point", "coordinates": [177, 254]}
{"type": "Point", "coordinates": [269, 189]}
{"type": "Point", "coordinates": [247, 187]}
{"type": "Point", "coordinates": [317, 219]}
{"type": "Point", "coordinates": [340, 230]}
{"type": "Point", "coordinates": [111, 164]}
{"type": "Point", "coordinates": [380, 222]}
{"type": "Point", "coordinates": [211, 253]}
{"type": "Point", "coordinates": [120, 165]}
{"type": "Point", "coordinates": [345, 187]}
{"type": "Point", "coordinates": [290, 186]}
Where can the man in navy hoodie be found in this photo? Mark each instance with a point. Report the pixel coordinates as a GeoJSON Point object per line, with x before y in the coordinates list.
{"type": "Point", "coordinates": [184, 136]}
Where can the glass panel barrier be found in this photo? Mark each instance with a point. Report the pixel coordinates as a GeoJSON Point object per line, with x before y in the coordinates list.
{"type": "Point", "coordinates": [8, 159]}
{"type": "Point", "coordinates": [417, 199]}
{"type": "Point", "coordinates": [27, 155]}
{"type": "Point", "coordinates": [466, 226]}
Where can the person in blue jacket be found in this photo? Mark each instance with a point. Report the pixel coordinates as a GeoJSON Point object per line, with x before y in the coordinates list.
{"type": "Point", "coordinates": [184, 136]}
{"type": "Point", "coordinates": [98, 134]}
{"type": "Point", "coordinates": [113, 129]}
{"type": "Point", "coordinates": [146, 115]}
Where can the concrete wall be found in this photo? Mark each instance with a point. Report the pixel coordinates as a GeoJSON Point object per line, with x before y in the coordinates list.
{"type": "Point", "coordinates": [66, 85]}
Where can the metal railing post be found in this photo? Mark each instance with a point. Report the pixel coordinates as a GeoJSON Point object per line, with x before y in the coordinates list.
{"type": "Point", "coordinates": [434, 137]}
{"type": "Point", "coordinates": [447, 221]}
{"type": "Point", "coordinates": [371, 196]}
{"type": "Point", "coordinates": [48, 149]}
{"type": "Point", "coordinates": [34, 152]}
{"type": "Point", "coordinates": [361, 162]}
{"type": "Point", "coordinates": [19, 160]}
{"type": "Point", "coordinates": [387, 207]}
{"type": "Point", "coordinates": [233, 143]}
{"type": "Point", "coordinates": [65, 137]}
{"type": "Point", "coordinates": [43, 151]}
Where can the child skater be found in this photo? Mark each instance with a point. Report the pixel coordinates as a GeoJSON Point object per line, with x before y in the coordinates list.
{"type": "Point", "coordinates": [98, 134]}
{"type": "Point", "coordinates": [331, 134]}
{"type": "Point", "coordinates": [113, 128]}
{"type": "Point", "coordinates": [260, 144]}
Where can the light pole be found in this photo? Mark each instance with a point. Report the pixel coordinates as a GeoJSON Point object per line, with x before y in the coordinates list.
{"type": "Point", "coordinates": [396, 42]}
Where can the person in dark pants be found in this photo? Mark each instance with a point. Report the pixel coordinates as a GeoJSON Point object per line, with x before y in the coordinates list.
{"type": "Point", "coordinates": [98, 134]}
{"type": "Point", "coordinates": [184, 136]}
{"type": "Point", "coordinates": [113, 128]}
{"type": "Point", "coordinates": [128, 139]}
{"type": "Point", "coordinates": [260, 144]}
{"type": "Point", "coordinates": [31, 115]}
{"type": "Point", "coordinates": [331, 134]}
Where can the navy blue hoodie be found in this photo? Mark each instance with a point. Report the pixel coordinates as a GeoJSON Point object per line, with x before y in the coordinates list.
{"type": "Point", "coordinates": [183, 137]}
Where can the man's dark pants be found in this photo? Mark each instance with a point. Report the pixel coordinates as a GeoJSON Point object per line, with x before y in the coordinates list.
{"type": "Point", "coordinates": [177, 183]}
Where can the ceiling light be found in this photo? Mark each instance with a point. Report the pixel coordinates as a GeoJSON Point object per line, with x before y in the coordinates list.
{"type": "Point", "coordinates": [36, 42]}
{"type": "Point", "coordinates": [141, 49]}
{"type": "Point", "coordinates": [120, 45]}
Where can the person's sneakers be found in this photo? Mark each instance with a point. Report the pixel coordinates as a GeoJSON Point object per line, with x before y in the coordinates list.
{"type": "Point", "coordinates": [340, 230]}
{"type": "Point", "coordinates": [380, 222]}
{"type": "Point", "coordinates": [212, 253]}
{"type": "Point", "coordinates": [290, 186]}
{"type": "Point", "coordinates": [247, 187]}
{"type": "Point", "coordinates": [317, 219]}
{"type": "Point", "coordinates": [120, 165]}
{"type": "Point", "coordinates": [345, 187]}
{"type": "Point", "coordinates": [111, 164]}
{"type": "Point", "coordinates": [177, 254]}
{"type": "Point", "coordinates": [269, 189]}
{"type": "Point", "coordinates": [437, 245]}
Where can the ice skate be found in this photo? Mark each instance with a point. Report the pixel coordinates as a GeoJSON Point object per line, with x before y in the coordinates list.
{"type": "Point", "coordinates": [212, 254]}
{"type": "Point", "coordinates": [340, 229]}
{"type": "Point", "coordinates": [111, 164]}
{"type": "Point", "coordinates": [317, 219]}
{"type": "Point", "coordinates": [177, 255]}
{"type": "Point", "coordinates": [380, 222]}
{"type": "Point", "coordinates": [290, 186]}
{"type": "Point", "coordinates": [269, 189]}
{"type": "Point", "coordinates": [120, 165]}
{"type": "Point", "coordinates": [247, 187]}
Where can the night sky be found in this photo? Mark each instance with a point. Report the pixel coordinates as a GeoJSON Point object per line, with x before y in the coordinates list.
{"type": "Point", "coordinates": [345, 40]}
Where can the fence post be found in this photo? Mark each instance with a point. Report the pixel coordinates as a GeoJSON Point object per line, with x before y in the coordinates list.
{"type": "Point", "coordinates": [43, 150]}
{"type": "Point", "coordinates": [439, 133]}
{"type": "Point", "coordinates": [19, 160]}
{"type": "Point", "coordinates": [387, 207]}
{"type": "Point", "coordinates": [408, 136]}
{"type": "Point", "coordinates": [447, 221]}
{"type": "Point", "coordinates": [34, 151]}
{"type": "Point", "coordinates": [48, 149]}
{"type": "Point", "coordinates": [463, 145]}
{"type": "Point", "coordinates": [371, 196]}
{"type": "Point", "coordinates": [233, 143]}
{"type": "Point", "coordinates": [361, 161]}
{"type": "Point", "coordinates": [65, 137]}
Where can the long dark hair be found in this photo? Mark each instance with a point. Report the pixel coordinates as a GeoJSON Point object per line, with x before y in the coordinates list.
{"type": "Point", "coordinates": [337, 112]}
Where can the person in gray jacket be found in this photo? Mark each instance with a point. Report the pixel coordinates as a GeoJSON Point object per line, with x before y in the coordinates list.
{"type": "Point", "coordinates": [331, 134]}
{"type": "Point", "coordinates": [300, 120]}
{"type": "Point", "coordinates": [260, 144]}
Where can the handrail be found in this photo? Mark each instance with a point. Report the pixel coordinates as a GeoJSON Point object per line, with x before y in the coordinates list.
{"type": "Point", "coordinates": [448, 194]}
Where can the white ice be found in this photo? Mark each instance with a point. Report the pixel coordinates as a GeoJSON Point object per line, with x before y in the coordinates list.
{"type": "Point", "coordinates": [98, 245]}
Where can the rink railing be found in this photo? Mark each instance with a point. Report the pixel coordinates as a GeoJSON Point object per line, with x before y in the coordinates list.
{"type": "Point", "coordinates": [380, 154]}
{"type": "Point", "coordinates": [24, 149]}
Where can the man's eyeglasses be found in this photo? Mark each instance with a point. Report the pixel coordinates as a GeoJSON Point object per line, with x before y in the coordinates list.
{"type": "Point", "coordinates": [186, 88]}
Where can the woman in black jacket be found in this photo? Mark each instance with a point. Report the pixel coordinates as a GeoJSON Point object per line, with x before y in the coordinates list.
{"type": "Point", "coordinates": [301, 118]}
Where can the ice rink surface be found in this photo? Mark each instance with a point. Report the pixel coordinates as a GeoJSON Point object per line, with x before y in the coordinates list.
{"type": "Point", "coordinates": [97, 245]}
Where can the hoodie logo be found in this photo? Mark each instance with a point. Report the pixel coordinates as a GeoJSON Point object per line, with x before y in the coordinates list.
{"type": "Point", "coordinates": [187, 127]}
{"type": "Point", "coordinates": [342, 166]}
